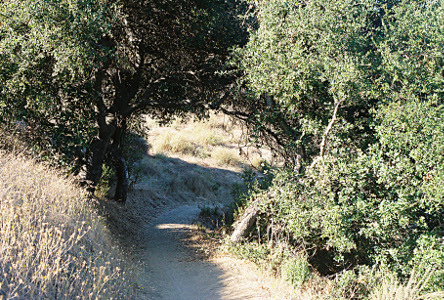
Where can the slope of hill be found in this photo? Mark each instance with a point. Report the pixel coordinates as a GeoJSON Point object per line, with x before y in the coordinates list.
{"type": "Point", "coordinates": [53, 242]}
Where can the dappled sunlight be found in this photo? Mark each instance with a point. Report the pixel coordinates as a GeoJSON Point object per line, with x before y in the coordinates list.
{"type": "Point", "coordinates": [174, 226]}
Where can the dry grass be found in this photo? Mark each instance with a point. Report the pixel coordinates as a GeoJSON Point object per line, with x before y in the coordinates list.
{"type": "Point", "coordinates": [187, 138]}
{"type": "Point", "coordinates": [392, 289]}
{"type": "Point", "coordinates": [225, 156]}
{"type": "Point", "coordinates": [171, 142]}
{"type": "Point", "coordinates": [52, 243]}
{"type": "Point", "coordinates": [215, 142]}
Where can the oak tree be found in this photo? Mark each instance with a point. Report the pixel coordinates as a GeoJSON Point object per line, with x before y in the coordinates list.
{"type": "Point", "coordinates": [77, 71]}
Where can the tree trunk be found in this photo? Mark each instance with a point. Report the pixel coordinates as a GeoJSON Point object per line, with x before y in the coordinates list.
{"type": "Point", "coordinates": [246, 223]}
{"type": "Point", "coordinates": [97, 153]}
{"type": "Point", "coordinates": [95, 159]}
{"type": "Point", "coordinates": [122, 185]}
{"type": "Point", "coordinates": [120, 166]}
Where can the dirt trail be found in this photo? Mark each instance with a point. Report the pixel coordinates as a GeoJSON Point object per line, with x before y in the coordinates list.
{"type": "Point", "coordinates": [176, 272]}
{"type": "Point", "coordinates": [164, 206]}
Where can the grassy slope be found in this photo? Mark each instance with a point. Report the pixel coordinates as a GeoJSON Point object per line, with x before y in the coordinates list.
{"type": "Point", "coordinates": [53, 243]}
{"type": "Point", "coordinates": [215, 142]}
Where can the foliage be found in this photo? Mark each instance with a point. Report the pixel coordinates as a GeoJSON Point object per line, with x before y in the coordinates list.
{"type": "Point", "coordinates": [296, 270]}
{"type": "Point", "coordinates": [254, 252]}
{"type": "Point", "coordinates": [360, 85]}
{"type": "Point", "coordinates": [374, 208]}
{"type": "Point", "coordinates": [45, 47]}
{"type": "Point", "coordinates": [77, 72]}
{"type": "Point", "coordinates": [305, 59]}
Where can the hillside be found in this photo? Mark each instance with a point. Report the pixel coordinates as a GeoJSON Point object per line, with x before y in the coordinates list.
{"type": "Point", "coordinates": [54, 244]}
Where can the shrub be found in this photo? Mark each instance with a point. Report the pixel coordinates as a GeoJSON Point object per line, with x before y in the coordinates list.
{"type": "Point", "coordinates": [255, 252]}
{"type": "Point", "coordinates": [296, 270]}
{"type": "Point", "coordinates": [382, 207]}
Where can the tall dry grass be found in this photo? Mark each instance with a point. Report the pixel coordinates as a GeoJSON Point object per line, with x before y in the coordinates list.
{"type": "Point", "coordinates": [53, 245]}
{"type": "Point", "coordinates": [213, 142]}
{"type": "Point", "coordinates": [392, 289]}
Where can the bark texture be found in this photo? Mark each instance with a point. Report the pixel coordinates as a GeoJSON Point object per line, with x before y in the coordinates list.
{"type": "Point", "coordinates": [245, 224]}
{"type": "Point", "coordinates": [122, 185]}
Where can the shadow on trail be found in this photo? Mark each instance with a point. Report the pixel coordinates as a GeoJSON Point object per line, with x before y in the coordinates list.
{"type": "Point", "coordinates": [175, 271]}
{"type": "Point", "coordinates": [157, 216]}
{"type": "Point", "coordinates": [165, 183]}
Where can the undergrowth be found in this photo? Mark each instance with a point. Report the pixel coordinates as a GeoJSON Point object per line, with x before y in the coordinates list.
{"type": "Point", "coordinates": [323, 226]}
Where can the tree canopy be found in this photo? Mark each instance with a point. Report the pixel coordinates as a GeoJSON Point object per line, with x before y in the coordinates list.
{"type": "Point", "coordinates": [311, 62]}
{"type": "Point", "coordinates": [76, 71]}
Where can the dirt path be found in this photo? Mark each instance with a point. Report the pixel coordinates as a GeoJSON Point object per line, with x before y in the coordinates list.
{"type": "Point", "coordinates": [163, 207]}
{"type": "Point", "coordinates": [178, 273]}
{"type": "Point", "coordinates": [175, 272]}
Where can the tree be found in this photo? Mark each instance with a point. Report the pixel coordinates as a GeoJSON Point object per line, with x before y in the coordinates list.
{"type": "Point", "coordinates": [78, 70]}
{"type": "Point", "coordinates": [354, 88]}
{"type": "Point", "coordinates": [312, 74]}
{"type": "Point", "coordinates": [305, 67]}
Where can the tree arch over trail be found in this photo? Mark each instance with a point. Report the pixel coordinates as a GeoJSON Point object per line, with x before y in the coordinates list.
{"type": "Point", "coordinates": [77, 71]}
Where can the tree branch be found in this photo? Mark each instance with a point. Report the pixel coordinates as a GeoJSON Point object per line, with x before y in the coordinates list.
{"type": "Point", "coordinates": [328, 129]}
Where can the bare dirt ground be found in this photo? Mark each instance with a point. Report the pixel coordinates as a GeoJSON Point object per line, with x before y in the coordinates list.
{"type": "Point", "coordinates": [176, 272]}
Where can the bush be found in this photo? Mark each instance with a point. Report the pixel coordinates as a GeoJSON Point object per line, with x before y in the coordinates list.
{"type": "Point", "coordinates": [296, 270]}
{"type": "Point", "coordinates": [255, 252]}
{"type": "Point", "coordinates": [351, 91]}
{"type": "Point", "coordinates": [382, 207]}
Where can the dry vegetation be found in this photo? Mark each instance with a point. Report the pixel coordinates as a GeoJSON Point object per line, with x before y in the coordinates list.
{"type": "Point", "coordinates": [391, 289]}
{"type": "Point", "coordinates": [53, 244]}
{"type": "Point", "coordinates": [214, 142]}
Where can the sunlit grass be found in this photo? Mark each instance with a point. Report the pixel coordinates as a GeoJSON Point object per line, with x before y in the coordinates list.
{"type": "Point", "coordinates": [53, 245]}
{"type": "Point", "coordinates": [215, 141]}
{"type": "Point", "coordinates": [392, 289]}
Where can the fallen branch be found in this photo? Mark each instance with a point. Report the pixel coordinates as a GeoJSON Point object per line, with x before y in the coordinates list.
{"type": "Point", "coordinates": [245, 224]}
